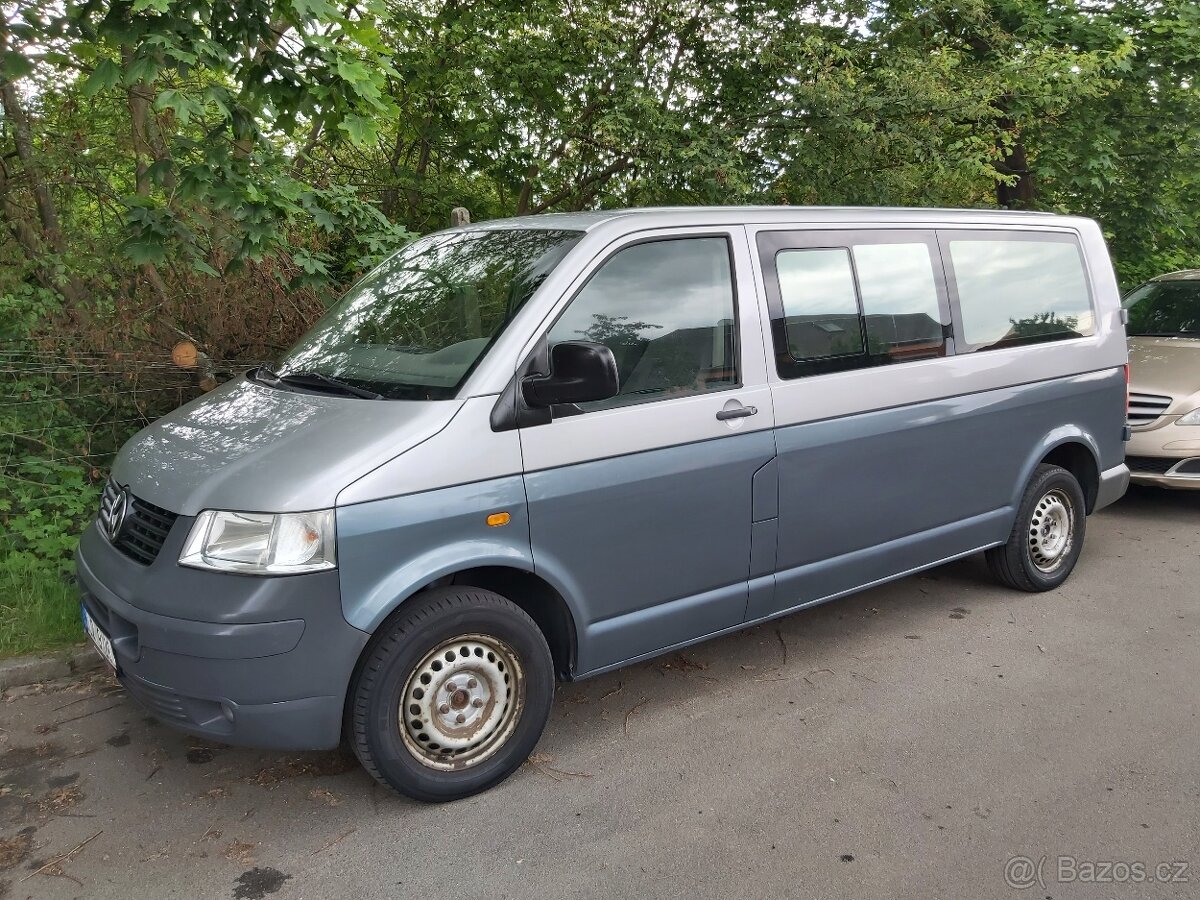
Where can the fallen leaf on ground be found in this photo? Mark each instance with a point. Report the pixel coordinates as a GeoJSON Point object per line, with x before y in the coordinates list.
{"type": "Point", "coordinates": [315, 764]}
{"type": "Point", "coordinates": [241, 852]}
{"type": "Point", "coordinates": [681, 663]}
{"type": "Point", "coordinates": [14, 849]}
{"type": "Point", "coordinates": [60, 799]}
{"type": "Point", "coordinates": [325, 796]}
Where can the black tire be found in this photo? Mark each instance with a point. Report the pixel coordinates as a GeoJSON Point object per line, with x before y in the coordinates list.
{"type": "Point", "coordinates": [450, 620]}
{"type": "Point", "coordinates": [1021, 563]}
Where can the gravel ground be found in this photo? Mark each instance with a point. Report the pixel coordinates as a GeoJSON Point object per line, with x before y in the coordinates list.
{"type": "Point", "coordinates": [905, 742]}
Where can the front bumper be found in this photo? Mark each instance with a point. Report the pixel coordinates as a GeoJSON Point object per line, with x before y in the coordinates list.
{"type": "Point", "coordinates": [262, 662]}
{"type": "Point", "coordinates": [1165, 455]}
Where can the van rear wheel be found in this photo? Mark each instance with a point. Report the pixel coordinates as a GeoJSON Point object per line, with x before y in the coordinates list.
{"type": "Point", "coordinates": [451, 696]}
{"type": "Point", "coordinates": [1047, 536]}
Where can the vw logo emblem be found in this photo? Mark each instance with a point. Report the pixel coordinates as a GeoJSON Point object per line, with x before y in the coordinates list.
{"type": "Point", "coordinates": [115, 517]}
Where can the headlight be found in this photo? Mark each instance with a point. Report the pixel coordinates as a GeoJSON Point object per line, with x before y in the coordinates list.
{"type": "Point", "coordinates": [261, 543]}
{"type": "Point", "coordinates": [1192, 418]}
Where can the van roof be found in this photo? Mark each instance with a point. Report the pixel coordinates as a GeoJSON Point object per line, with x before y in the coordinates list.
{"type": "Point", "coordinates": [762, 215]}
{"type": "Point", "coordinates": [1181, 275]}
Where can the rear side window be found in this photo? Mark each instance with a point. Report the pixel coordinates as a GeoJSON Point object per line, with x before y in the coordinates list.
{"type": "Point", "coordinates": [900, 299]}
{"type": "Point", "coordinates": [1014, 289]}
{"type": "Point", "coordinates": [820, 303]}
{"type": "Point", "coordinates": [849, 300]}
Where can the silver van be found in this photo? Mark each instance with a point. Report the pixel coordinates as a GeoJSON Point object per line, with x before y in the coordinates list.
{"type": "Point", "coordinates": [544, 448]}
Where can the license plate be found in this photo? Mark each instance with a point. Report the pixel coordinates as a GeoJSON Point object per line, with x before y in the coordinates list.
{"type": "Point", "coordinates": [99, 640]}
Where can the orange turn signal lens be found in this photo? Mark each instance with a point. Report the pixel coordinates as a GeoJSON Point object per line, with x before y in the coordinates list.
{"type": "Point", "coordinates": [498, 519]}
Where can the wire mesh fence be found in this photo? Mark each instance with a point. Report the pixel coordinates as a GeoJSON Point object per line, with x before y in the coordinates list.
{"type": "Point", "coordinates": [64, 412]}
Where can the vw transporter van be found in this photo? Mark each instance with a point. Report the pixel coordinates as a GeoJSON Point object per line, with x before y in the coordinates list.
{"type": "Point", "coordinates": [543, 448]}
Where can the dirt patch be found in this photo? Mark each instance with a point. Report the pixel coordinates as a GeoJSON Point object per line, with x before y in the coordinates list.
{"type": "Point", "coordinates": [20, 757]}
{"type": "Point", "coordinates": [13, 850]}
{"type": "Point", "coordinates": [60, 799]}
{"type": "Point", "coordinates": [119, 740]}
{"type": "Point", "coordinates": [257, 883]}
{"type": "Point", "coordinates": [327, 797]}
{"type": "Point", "coordinates": [314, 765]}
{"type": "Point", "coordinates": [241, 852]}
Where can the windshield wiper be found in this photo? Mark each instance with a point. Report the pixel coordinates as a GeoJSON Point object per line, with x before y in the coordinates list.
{"type": "Point", "coordinates": [314, 380]}
{"type": "Point", "coordinates": [319, 379]}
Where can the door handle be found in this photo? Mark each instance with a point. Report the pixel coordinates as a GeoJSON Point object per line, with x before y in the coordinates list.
{"type": "Point", "coordinates": [738, 412]}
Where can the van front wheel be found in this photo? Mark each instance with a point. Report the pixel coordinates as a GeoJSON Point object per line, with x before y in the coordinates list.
{"type": "Point", "coordinates": [1048, 535]}
{"type": "Point", "coordinates": [451, 696]}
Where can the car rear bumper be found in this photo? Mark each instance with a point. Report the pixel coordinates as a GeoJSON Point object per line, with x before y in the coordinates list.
{"type": "Point", "coordinates": [273, 684]}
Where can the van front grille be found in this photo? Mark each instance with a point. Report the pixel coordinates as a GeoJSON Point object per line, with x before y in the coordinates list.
{"type": "Point", "coordinates": [1147, 408]}
{"type": "Point", "coordinates": [135, 527]}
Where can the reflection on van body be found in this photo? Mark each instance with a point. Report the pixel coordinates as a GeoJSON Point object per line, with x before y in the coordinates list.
{"type": "Point", "coordinates": [543, 448]}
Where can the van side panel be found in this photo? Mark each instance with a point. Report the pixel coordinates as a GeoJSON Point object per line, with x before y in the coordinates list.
{"type": "Point", "coordinates": [388, 549]}
{"type": "Point", "coordinates": [869, 496]}
{"type": "Point", "coordinates": [656, 546]}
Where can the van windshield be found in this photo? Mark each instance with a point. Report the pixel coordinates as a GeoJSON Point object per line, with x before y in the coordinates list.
{"type": "Point", "coordinates": [1165, 309]}
{"type": "Point", "coordinates": [415, 326]}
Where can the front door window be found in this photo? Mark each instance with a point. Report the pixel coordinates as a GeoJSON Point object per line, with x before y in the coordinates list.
{"type": "Point", "coordinates": [666, 310]}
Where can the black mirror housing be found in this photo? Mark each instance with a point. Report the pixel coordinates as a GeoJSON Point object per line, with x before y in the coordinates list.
{"type": "Point", "coordinates": [580, 371]}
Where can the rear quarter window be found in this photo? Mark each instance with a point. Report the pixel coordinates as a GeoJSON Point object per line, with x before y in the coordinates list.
{"type": "Point", "coordinates": [1015, 289]}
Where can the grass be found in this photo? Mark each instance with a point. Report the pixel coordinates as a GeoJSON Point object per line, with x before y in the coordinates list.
{"type": "Point", "coordinates": [39, 607]}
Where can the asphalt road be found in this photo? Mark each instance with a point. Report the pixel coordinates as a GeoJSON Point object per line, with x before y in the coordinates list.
{"type": "Point", "coordinates": [904, 742]}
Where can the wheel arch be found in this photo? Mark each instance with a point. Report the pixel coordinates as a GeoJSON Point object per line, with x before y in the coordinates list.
{"type": "Point", "coordinates": [1080, 460]}
{"type": "Point", "coordinates": [1072, 448]}
{"type": "Point", "coordinates": [541, 600]}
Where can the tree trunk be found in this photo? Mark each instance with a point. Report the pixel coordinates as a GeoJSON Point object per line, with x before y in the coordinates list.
{"type": "Point", "coordinates": [525, 198]}
{"type": "Point", "coordinates": [50, 237]}
{"type": "Point", "coordinates": [1022, 193]}
{"type": "Point", "coordinates": [23, 139]}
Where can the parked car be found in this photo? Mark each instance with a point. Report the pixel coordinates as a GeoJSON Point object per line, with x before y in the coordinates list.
{"type": "Point", "coordinates": [1164, 371]}
{"type": "Point", "coordinates": [549, 447]}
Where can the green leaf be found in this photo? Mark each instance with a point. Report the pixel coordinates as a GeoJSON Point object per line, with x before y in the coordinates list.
{"type": "Point", "coordinates": [204, 268]}
{"type": "Point", "coordinates": [143, 71]}
{"type": "Point", "coordinates": [105, 76]}
{"type": "Point", "coordinates": [158, 170]}
{"type": "Point", "coordinates": [359, 129]}
{"type": "Point", "coordinates": [184, 107]}
{"type": "Point", "coordinates": [15, 64]}
{"type": "Point", "coordinates": [142, 251]}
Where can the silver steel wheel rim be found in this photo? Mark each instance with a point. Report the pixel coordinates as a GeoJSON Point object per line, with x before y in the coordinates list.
{"type": "Point", "coordinates": [1051, 530]}
{"type": "Point", "coordinates": [462, 702]}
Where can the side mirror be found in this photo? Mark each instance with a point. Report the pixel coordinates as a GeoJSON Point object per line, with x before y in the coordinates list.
{"type": "Point", "coordinates": [579, 371]}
